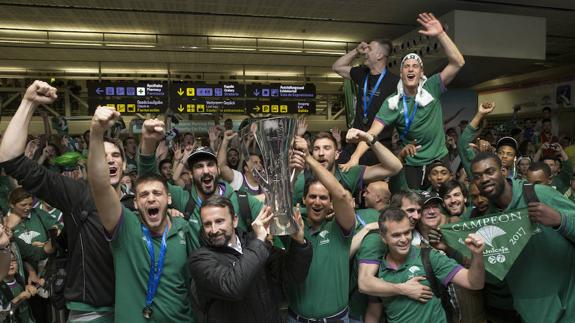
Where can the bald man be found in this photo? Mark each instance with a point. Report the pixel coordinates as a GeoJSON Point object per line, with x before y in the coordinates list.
{"type": "Point", "coordinates": [377, 195]}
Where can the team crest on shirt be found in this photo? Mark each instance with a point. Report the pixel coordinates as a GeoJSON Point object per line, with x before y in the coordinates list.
{"type": "Point", "coordinates": [28, 236]}
{"type": "Point", "coordinates": [413, 270]}
{"type": "Point", "coordinates": [323, 235]}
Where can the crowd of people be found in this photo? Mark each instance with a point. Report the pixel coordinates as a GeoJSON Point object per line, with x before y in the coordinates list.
{"type": "Point", "coordinates": [163, 227]}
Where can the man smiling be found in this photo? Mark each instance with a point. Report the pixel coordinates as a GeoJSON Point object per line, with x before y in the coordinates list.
{"type": "Point", "coordinates": [415, 110]}
{"type": "Point", "coordinates": [542, 277]}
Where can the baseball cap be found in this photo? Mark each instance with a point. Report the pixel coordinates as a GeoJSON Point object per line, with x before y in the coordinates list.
{"type": "Point", "coordinates": [507, 141]}
{"type": "Point", "coordinates": [201, 152]}
{"type": "Point", "coordinates": [437, 163]}
{"type": "Point", "coordinates": [426, 197]}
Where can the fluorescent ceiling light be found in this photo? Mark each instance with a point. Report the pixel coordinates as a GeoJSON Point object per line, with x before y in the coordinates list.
{"type": "Point", "coordinates": [130, 45]}
{"type": "Point", "coordinates": [281, 50]}
{"type": "Point", "coordinates": [75, 43]}
{"type": "Point", "coordinates": [233, 48]}
{"type": "Point", "coordinates": [21, 41]}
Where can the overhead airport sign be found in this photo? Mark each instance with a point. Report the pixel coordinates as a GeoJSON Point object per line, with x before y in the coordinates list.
{"type": "Point", "coordinates": [280, 107]}
{"type": "Point", "coordinates": [281, 91]}
{"type": "Point", "coordinates": [185, 90]}
{"type": "Point", "coordinates": [129, 97]}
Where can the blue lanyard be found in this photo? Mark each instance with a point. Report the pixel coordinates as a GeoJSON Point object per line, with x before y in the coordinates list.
{"type": "Point", "coordinates": [408, 120]}
{"type": "Point", "coordinates": [155, 272]}
{"type": "Point", "coordinates": [361, 221]}
{"type": "Point", "coordinates": [367, 101]}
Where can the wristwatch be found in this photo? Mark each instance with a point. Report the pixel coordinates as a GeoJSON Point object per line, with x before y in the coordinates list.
{"type": "Point", "coordinates": [373, 141]}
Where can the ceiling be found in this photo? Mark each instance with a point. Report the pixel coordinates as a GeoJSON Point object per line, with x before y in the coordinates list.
{"type": "Point", "coordinates": [242, 39]}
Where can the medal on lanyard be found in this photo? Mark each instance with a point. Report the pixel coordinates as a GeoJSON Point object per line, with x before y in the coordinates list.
{"type": "Point", "coordinates": [367, 101]}
{"type": "Point", "coordinates": [155, 271]}
{"type": "Point", "coordinates": [408, 120]}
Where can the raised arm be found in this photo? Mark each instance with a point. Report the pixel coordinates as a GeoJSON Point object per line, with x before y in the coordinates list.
{"type": "Point", "coordinates": [341, 198]}
{"type": "Point", "coordinates": [105, 197]}
{"type": "Point", "coordinates": [14, 140]}
{"type": "Point", "coordinates": [389, 165]}
{"type": "Point", "coordinates": [225, 171]}
{"type": "Point", "coordinates": [375, 129]}
{"type": "Point", "coordinates": [433, 28]}
{"type": "Point", "coordinates": [474, 277]}
{"type": "Point", "coordinates": [342, 65]}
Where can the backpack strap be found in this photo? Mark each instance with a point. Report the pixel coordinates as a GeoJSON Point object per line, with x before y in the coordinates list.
{"type": "Point", "coordinates": [437, 289]}
{"type": "Point", "coordinates": [191, 205]}
{"type": "Point", "coordinates": [529, 193]}
{"type": "Point", "coordinates": [245, 211]}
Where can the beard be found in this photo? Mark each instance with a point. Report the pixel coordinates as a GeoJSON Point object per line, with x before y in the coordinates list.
{"type": "Point", "coordinates": [217, 240]}
{"type": "Point", "coordinates": [209, 189]}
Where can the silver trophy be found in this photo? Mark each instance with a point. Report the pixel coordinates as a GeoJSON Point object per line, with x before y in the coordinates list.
{"type": "Point", "coordinates": [272, 139]}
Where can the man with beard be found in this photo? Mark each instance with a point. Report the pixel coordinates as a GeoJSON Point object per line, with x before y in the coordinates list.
{"type": "Point", "coordinates": [323, 296]}
{"type": "Point", "coordinates": [238, 277]}
{"type": "Point", "coordinates": [233, 158]}
{"type": "Point", "coordinates": [415, 110]}
{"type": "Point", "coordinates": [205, 179]}
{"type": "Point", "coordinates": [89, 289]}
{"type": "Point", "coordinates": [140, 297]}
{"type": "Point", "coordinates": [454, 197]}
{"type": "Point", "coordinates": [375, 83]}
{"type": "Point", "coordinates": [542, 278]}
{"type": "Point", "coordinates": [324, 151]}
{"type": "Point", "coordinates": [240, 181]}
{"type": "Point", "coordinates": [402, 262]}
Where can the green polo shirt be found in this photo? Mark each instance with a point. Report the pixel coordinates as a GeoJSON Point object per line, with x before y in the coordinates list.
{"type": "Point", "coordinates": [180, 197]}
{"type": "Point", "coordinates": [325, 291]}
{"type": "Point", "coordinates": [403, 308]}
{"type": "Point", "coordinates": [35, 227]}
{"type": "Point", "coordinates": [172, 302]}
{"type": "Point", "coordinates": [546, 291]}
{"type": "Point", "coordinates": [352, 180]}
{"type": "Point", "coordinates": [358, 301]}
{"type": "Point", "coordinates": [426, 126]}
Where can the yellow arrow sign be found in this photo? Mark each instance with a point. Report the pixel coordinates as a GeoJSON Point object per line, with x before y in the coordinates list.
{"type": "Point", "coordinates": [257, 108]}
{"type": "Point", "coordinates": [181, 108]}
{"type": "Point", "coordinates": [181, 92]}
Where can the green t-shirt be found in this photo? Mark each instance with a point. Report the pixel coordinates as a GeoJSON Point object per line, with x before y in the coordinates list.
{"type": "Point", "coordinates": [325, 291]}
{"type": "Point", "coordinates": [352, 180]}
{"type": "Point", "coordinates": [357, 300]}
{"type": "Point", "coordinates": [172, 302]}
{"type": "Point", "coordinates": [426, 127]}
{"type": "Point", "coordinates": [35, 227]}
{"type": "Point", "coordinates": [180, 197]}
{"type": "Point", "coordinates": [542, 279]}
{"type": "Point", "coordinates": [403, 308]}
